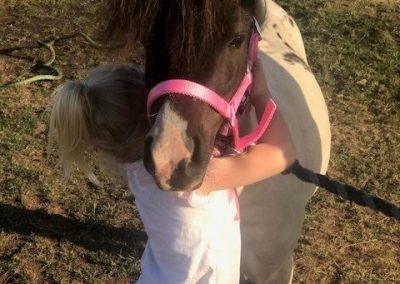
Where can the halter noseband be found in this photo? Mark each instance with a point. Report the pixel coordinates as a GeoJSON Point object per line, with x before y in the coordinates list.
{"type": "Point", "coordinates": [227, 109]}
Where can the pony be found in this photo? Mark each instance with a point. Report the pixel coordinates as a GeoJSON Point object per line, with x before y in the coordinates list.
{"type": "Point", "coordinates": [207, 42]}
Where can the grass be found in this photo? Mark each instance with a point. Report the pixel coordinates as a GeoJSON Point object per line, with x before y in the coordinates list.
{"type": "Point", "coordinates": [52, 232]}
{"type": "Point", "coordinates": [353, 48]}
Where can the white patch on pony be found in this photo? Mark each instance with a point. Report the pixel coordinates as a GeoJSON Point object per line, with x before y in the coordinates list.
{"type": "Point", "coordinates": [168, 148]}
{"type": "Point", "coordinates": [272, 211]}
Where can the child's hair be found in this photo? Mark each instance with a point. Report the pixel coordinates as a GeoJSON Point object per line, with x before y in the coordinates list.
{"type": "Point", "coordinates": [105, 112]}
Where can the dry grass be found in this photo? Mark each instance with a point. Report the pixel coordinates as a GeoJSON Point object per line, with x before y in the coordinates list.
{"type": "Point", "coordinates": [353, 47]}
{"type": "Point", "coordinates": [52, 232]}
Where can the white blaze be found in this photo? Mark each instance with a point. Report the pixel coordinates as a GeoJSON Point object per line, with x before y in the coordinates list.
{"type": "Point", "coordinates": [168, 147]}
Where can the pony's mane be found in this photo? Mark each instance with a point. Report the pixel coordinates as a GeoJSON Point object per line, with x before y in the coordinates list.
{"type": "Point", "coordinates": [192, 27]}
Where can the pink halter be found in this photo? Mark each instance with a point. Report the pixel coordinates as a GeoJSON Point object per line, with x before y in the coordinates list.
{"type": "Point", "coordinates": [227, 110]}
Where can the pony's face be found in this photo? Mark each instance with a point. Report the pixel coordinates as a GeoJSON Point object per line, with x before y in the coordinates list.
{"type": "Point", "coordinates": [205, 41]}
{"type": "Point", "coordinates": [210, 51]}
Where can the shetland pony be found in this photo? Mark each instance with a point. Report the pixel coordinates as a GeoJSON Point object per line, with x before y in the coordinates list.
{"type": "Point", "coordinates": [207, 42]}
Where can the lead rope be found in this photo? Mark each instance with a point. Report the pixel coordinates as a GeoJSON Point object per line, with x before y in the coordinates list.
{"type": "Point", "coordinates": [345, 191]}
{"type": "Point", "coordinates": [55, 73]}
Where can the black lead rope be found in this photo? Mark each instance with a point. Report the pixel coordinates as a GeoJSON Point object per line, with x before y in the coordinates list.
{"type": "Point", "coordinates": [347, 192]}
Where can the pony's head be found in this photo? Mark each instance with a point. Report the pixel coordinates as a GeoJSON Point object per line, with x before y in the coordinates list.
{"type": "Point", "coordinates": [204, 41]}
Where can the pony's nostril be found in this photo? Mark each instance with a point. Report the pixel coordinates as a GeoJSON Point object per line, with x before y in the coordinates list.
{"type": "Point", "coordinates": [186, 176]}
{"type": "Point", "coordinates": [196, 153]}
{"type": "Point", "coordinates": [185, 167]}
{"type": "Point", "coordinates": [148, 160]}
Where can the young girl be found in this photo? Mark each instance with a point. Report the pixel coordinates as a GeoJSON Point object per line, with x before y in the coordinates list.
{"type": "Point", "coordinates": [193, 237]}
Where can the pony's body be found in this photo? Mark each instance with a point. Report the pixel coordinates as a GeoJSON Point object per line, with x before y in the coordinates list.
{"type": "Point", "coordinates": [179, 146]}
{"type": "Point", "coordinates": [272, 210]}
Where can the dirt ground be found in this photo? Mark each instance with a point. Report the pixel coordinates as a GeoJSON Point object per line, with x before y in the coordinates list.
{"type": "Point", "coordinates": [73, 232]}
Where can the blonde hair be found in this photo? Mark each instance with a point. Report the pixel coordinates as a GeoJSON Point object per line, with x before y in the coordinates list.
{"type": "Point", "coordinates": [105, 112]}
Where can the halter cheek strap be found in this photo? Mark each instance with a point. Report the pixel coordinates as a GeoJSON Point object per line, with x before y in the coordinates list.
{"type": "Point", "coordinates": [227, 109]}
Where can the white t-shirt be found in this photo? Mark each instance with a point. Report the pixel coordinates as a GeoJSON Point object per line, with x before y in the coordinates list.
{"type": "Point", "coordinates": [191, 238]}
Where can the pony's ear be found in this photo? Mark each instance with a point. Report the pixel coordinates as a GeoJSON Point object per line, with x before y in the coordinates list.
{"type": "Point", "coordinates": [250, 5]}
{"type": "Point", "coordinates": [257, 8]}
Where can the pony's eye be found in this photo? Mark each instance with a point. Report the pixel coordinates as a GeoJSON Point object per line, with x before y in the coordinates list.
{"type": "Point", "coordinates": [237, 42]}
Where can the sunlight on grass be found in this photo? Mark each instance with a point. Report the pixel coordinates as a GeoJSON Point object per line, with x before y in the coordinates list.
{"type": "Point", "coordinates": [74, 232]}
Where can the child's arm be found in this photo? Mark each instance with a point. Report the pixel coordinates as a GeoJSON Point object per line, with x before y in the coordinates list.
{"type": "Point", "coordinates": [273, 154]}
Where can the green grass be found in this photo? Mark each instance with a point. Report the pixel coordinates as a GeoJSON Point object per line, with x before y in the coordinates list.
{"type": "Point", "coordinates": [353, 48]}
{"type": "Point", "coordinates": [52, 232]}
{"type": "Point", "coordinates": [356, 40]}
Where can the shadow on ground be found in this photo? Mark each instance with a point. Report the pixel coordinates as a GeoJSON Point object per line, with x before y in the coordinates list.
{"type": "Point", "coordinates": [93, 236]}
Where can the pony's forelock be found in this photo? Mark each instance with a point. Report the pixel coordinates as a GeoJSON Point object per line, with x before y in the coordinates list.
{"type": "Point", "coordinates": [192, 28]}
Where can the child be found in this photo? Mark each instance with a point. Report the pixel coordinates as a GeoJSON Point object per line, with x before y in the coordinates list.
{"type": "Point", "coordinates": [193, 237]}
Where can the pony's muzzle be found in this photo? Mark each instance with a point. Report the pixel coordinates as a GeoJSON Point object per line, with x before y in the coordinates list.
{"type": "Point", "coordinates": [169, 160]}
